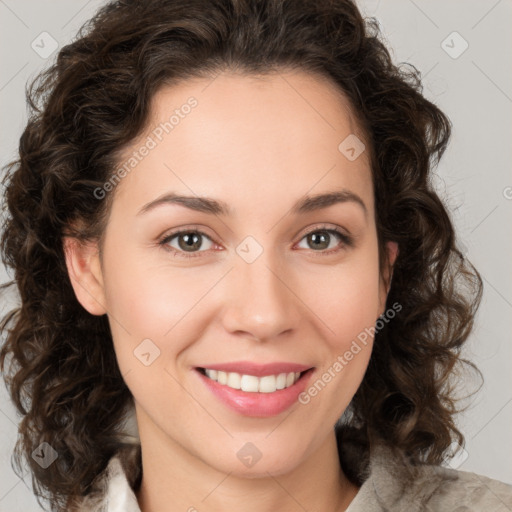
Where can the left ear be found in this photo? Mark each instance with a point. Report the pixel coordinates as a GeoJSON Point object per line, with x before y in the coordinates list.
{"type": "Point", "coordinates": [392, 253]}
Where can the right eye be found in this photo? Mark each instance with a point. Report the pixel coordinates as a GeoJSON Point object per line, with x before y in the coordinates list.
{"type": "Point", "coordinates": [188, 241]}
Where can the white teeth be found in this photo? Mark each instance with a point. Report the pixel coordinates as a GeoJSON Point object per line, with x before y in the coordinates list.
{"type": "Point", "coordinates": [212, 374]}
{"type": "Point", "coordinates": [222, 377]}
{"type": "Point", "coordinates": [252, 384]}
{"type": "Point", "coordinates": [267, 384]}
{"type": "Point", "coordinates": [281, 381]}
{"type": "Point", "coordinates": [234, 380]}
{"type": "Point", "coordinates": [249, 383]}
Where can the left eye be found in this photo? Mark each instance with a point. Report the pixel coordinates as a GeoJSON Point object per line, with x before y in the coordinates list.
{"type": "Point", "coordinates": [320, 239]}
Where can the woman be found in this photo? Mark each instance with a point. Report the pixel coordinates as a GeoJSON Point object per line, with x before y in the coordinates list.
{"type": "Point", "coordinates": [222, 229]}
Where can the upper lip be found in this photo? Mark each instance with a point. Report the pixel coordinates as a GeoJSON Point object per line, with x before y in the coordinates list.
{"type": "Point", "coordinates": [258, 370]}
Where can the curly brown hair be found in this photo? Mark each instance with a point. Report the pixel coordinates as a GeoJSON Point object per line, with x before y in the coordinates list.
{"type": "Point", "coordinates": [63, 375]}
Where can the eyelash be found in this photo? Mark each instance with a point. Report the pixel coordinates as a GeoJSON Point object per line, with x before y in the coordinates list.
{"type": "Point", "coordinates": [347, 241]}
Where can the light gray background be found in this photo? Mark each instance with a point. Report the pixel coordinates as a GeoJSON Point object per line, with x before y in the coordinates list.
{"type": "Point", "coordinates": [474, 177]}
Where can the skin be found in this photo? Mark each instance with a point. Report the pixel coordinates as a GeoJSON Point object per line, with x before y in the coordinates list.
{"type": "Point", "coordinates": [259, 144]}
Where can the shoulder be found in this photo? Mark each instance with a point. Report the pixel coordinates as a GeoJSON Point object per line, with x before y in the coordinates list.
{"type": "Point", "coordinates": [392, 483]}
{"type": "Point", "coordinates": [114, 489]}
{"type": "Point", "coordinates": [473, 491]}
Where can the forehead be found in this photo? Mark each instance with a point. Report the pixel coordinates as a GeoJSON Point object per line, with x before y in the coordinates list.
{"type": "Point", "coordinates": [236, 133]}
{"type": "Point", "coordinates": [286, 101]}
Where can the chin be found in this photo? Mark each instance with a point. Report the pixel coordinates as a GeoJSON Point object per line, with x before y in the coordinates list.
{"type": "Point", "coordinates": [275, 464]}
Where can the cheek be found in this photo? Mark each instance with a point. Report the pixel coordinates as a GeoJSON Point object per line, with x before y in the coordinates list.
{"type": "Point", "coordinates": [348, 308]}
{"type": "Point", "coordinates": [156, 302]}
{"type": "Point", "coordinates": [347, 299]}
{"type": "Point", "coordinates": [151, 315]}
{"type": "Point", "coordinates": [150, 299]}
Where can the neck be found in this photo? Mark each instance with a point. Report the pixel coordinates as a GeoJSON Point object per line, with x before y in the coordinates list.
{"type": "Point", "coordinates": [177, 480]}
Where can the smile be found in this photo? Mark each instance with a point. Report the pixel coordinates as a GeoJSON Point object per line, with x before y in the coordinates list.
{"type": "Point", "coordinates": [251, 383]}
{"type": "Point", "coordinates": [249, 395]}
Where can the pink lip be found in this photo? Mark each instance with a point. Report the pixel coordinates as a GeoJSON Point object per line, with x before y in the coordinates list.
{"type": "Point", "coordinates": [257, 404]}
{"type": "Point", "coordinates": [258, 370]}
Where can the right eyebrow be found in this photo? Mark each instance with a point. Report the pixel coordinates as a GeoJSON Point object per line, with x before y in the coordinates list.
{"type": "Point", "coordinates": [200, 204]}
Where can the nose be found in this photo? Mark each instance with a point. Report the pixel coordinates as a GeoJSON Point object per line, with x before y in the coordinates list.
{"type": "Point", "coordinates": [260, 300]}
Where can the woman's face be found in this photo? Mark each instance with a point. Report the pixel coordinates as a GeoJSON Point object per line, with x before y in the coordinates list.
{"type": "Point", "coordinates": [264, 282]}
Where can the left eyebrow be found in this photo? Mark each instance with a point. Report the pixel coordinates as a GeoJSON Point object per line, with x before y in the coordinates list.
{"type": "Point", "coordinates": [215, 207]}
{"type": "Point", "coordinates": [320, 201]}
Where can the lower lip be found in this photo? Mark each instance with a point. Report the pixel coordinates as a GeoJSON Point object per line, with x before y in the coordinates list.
{"type": "Point", "coordinates": [260, 405]}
